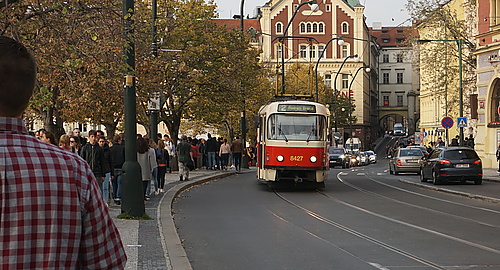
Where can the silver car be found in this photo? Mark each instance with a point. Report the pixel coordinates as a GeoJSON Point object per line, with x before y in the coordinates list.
{"type": "Point", "coordinates": [406, 160]}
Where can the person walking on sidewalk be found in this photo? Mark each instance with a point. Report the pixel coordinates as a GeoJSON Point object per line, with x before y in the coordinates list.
{"type": "Point", "coordinates": [118, 156]}
{"type": "Point", "coordinates": [146, 157]}
{"type": "Point", "coordinates": [94, 155]}
{"type": "Point", "coordinates": [224, 151]}
{"type": "Point", "coordinates": [237, 148]}
{"type": "Point", "coordinates": [53, 215]}
{"type": "Point", "coordinates": [498, 157]}
{"type": "Point", "coordinates": [184, 155]}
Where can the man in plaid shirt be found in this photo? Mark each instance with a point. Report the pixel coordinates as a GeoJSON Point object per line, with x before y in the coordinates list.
{"type": "Point", "coordinates": [52, 215]}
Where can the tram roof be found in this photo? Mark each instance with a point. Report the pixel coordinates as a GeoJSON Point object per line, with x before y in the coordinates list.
{"type": "Point", "coordinates": [273, 106]}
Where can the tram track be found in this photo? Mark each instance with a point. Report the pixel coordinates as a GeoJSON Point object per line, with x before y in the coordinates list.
{"type": "Point", "coordinates": [383, 244]}
{"type": "Point", "coordinates": [355, 233]}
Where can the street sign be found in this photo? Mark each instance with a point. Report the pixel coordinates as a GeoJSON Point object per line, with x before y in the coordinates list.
{"type": "Point", "coordinates": [462, 122]}
{"type": "Point", "coordinates": [447, 122]}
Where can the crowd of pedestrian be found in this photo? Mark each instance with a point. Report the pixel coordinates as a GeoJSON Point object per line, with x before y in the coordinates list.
{"type": "Point", "coordinates": [106, 158]}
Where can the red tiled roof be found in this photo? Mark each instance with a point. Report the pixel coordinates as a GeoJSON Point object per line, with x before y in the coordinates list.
{"type": "Point", "coordinates": [236, 23]}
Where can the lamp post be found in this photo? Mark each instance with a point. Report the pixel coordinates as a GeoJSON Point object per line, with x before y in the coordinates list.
{"type": "Point", "coordinates": [335, 86]}
{"type": "Point", "coordinates": [314, 8]}
{"type": "Point", "coordinates": [133, 200]}
{"type": "Point", "coordinates": [460, 75]}
{"type": "Point", "coordinates": [340, 42]}
{"type": "Point", "coordinates": [367, 69]}
{"type": "Point", "coordinates": [243, 121]}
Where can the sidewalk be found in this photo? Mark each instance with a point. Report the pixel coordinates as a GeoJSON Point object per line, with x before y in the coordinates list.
{"type": "Point", "coordinates": [145, 240]}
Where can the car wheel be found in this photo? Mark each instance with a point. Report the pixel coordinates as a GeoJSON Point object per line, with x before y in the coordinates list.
{"type": "Point", "coordinates": [435, 179]}
{"type": "Point", "coordinates": [422, 178]}
{"type": "Point", "coordinates": [396, 171]}
{"type": "Point", "coordinates": [478, 181]}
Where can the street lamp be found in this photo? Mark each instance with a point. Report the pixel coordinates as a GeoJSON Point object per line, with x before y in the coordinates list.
{"type": "Point", "coordinates": [133, 200]}
{"type": "Point", "coordinates": [314, 8]}
{"type": "Point", "coordinates": [367, 69]}
{"type": "Point", "coordinates": [460, 85]}
{"type": "Point", "coordinates": [243, 122]}
{"type": "Point", "coordinates": [335, 86]}
{"type": "Point", "coordinates": [340, 42]}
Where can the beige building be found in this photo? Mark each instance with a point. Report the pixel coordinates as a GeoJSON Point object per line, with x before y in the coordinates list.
{"type": "Point", "coordinates": [442, 74]}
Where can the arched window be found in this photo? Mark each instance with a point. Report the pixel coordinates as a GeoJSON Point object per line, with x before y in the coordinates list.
{"type": "Point", "coordinates": [315, 28]}
{"type": "Point", "coordinates": [279, 28]}
{"type": "Point", "coordinates": [495, 102]}
{"type": "Point", "coordinates": [302, 27]}
{"type": "Point", "coordinates": [321, 27]}
{"type": "Point", "coordinates": [345, 28]}
{"type": "Point", "coordinates": [309, 28]}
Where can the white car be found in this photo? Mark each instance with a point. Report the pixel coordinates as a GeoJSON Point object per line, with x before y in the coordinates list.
{"type": "Point", "coordinates": [372, 157]}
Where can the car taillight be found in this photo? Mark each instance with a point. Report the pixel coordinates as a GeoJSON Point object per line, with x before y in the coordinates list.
{"type": "Point", "coordinates": [444, 161]}
{"type": "Point", "coordinates": [399, 163]}
{"type": "Point", "coordinates": [478, 161]}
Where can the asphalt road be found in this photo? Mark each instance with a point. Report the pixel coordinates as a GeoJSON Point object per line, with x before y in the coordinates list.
{"type": "Point", "coordinates": [365, 218]}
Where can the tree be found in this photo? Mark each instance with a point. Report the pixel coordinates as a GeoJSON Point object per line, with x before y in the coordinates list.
{"type": "Point", "coordinates": [78, 57]}
{"type": "Point", "coordinates": [438, 60]}
{"type": "Point", "coordinates": [205, 77]}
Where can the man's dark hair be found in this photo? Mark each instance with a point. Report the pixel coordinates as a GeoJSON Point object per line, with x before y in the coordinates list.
{"type": "Point", "coordinates": [93, 132]}
{"type": "Point", "coordinates": [17, 77]}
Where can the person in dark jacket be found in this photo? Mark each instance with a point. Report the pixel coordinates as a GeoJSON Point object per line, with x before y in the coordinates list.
{"type": "Point", "coordinates": [211, 148]}
{"type": "Point", "coordinates": [93, 154]}
{"type": "Point", "coordinates": [107, 167]}
{"type": "Point", "coordinates": [118, 157]}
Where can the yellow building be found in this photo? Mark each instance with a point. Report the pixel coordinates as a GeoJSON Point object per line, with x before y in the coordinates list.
{"type": "Point", "coordinates": [440, 43]}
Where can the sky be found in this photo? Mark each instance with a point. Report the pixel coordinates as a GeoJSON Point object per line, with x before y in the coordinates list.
{"type": "Point", "coordinates": [389, 12]}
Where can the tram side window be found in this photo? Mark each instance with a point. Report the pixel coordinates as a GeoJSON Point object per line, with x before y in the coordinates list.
{"type": "Point", "coordinates": [296, 127]}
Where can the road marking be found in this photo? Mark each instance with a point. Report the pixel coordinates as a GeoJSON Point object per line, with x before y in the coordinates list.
{"type": "Point", "coordinates": [361, 173]}
{"type": "Point", "coordinates": [378, 266]}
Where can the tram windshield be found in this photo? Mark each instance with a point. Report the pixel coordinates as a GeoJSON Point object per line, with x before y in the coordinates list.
{"type": "Point", "coordinates": [296, 127]}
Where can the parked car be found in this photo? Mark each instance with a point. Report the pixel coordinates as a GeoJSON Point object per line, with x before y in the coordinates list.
{"type": "Point", "coordinates": [452, 164]}
{"type": "Point", "coordinates": [406, 160]}
{"type": "Point", "coordinates": [372, 157]}
{"type": "Point", "coordinates": [338, 157]}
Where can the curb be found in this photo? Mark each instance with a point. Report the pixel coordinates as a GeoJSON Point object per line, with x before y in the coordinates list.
{"type": "Point", "coordinates": [454, 192]}
{"type": "Point", "coordinates": [175, 253]}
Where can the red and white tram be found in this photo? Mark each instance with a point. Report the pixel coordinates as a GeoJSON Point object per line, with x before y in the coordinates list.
{"type": "Point", "coordinates": [292, 142]}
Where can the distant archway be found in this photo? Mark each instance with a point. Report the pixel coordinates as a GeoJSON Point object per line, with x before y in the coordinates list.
{"type": "Point", "coordinates": [386, 123]}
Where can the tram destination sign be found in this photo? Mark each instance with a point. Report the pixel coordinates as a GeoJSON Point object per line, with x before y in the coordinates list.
{"type": "Point", "coordinates": [297, 108]}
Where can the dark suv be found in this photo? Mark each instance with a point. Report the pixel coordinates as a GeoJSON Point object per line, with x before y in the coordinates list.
{"type": "Point", "coordinates": [453, 163]}
{"type": "Point", "coordinates": [338, 157]}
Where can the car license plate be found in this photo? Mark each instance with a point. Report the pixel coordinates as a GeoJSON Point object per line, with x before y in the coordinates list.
{"type": "Point", "coordinates": [412, 160]}
{"type": "Point", "coordinates": [462, 165]}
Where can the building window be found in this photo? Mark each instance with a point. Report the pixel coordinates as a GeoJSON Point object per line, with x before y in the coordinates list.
{"type": "Point", "coordinates": [385, 78]}
{"type": "Point", "coordinates": [302, 27]}
{"type": "Point", "coordinates": [279, 28]}
{"type": "Point", "coordinates": [385, 40]}
{"type": "Point", "coordinates": [316, 28]}
{"type": "Point", "coordinates": [320, 51]}
{"type": "Point", "coordinates": [312, 51]}
{"type": "Point", "coordinates": [385, 58]}
{"type": "Point", "coordinates": [328, 81]}
{"type": "Point", "coordinates": [400, 100]}
{"type": "Point", "coordinates": [278, 51]}
{"type": "Point", "coordinates": [345, 81]}
{"type": "Point", "coordinates": [303, 51]}
{"type": "Point", "coordinates": [399, 58]}
{"type": "Point", "coordinates": [386, 101]}
{"type": "Point", "coordinates": [345, 28]}
{"type": "Point", "coordinates": [399, 77]}
{"type": "Point", "coordinates": [345, 51]}
{"type": "Point", "coordinates": [321, 28]}
{"type": "Point", "coordinates": [328, 8]}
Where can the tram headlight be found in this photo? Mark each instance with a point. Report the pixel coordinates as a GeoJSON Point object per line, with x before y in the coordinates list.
{"type": "Point", "coordinates": [280, 158]}
{"type": "Point", "coordinates": [313, 159]}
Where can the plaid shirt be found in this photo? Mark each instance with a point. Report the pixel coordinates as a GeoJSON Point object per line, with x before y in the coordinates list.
{"type": "Point", "coordinates": [52, 215]}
